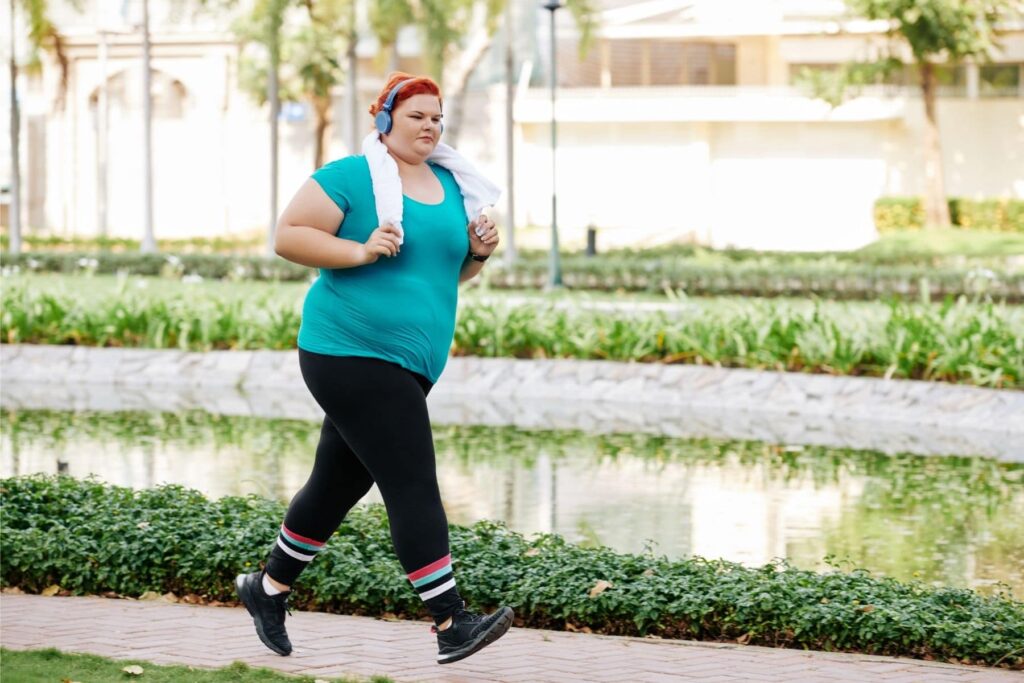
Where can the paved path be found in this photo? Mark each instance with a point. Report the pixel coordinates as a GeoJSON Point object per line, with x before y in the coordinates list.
{"type": "Point", "coordinates": [335, 645]}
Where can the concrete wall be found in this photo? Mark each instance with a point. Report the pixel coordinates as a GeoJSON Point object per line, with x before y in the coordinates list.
{"type": "Point", "coordinates": [786, 185]}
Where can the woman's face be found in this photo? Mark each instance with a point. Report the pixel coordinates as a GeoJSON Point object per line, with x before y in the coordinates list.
{"type": "Point", "coordinates": [415, 128]}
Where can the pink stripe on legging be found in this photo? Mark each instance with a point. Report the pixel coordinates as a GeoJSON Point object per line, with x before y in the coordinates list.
{"type": "Point", "coordinates": [431, 568]}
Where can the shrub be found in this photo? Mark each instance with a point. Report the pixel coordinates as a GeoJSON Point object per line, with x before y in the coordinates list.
{"type": "Point", "coordinates": [901, 213]}
{"type": "Point", "coordinates": [89, 538]}
{"type": "Point", "coordinates": [980, 344]}
{"type": "Point", "coordinates": [693, 270]}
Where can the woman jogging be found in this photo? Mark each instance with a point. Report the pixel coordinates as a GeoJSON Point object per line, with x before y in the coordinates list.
{"type": "Point", "coordinates": [392, 235]}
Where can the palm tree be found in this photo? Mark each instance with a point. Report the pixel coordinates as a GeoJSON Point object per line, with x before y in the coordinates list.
{"type": "Point", "coordinates": [42, 35]}
{"type": "Point", "coordinates": [262, 27]}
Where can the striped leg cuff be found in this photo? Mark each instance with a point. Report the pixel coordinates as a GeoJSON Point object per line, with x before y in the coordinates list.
{"type": "Point", "coordinates": [298, 546]}
{"type": "Point", "coordinates": [434, 579]}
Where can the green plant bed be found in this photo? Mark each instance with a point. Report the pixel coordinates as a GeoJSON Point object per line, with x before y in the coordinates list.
{"type": "Point", "coordinates": [254, 244]}
{"type": "Point", "coordinates": [694, 271]}
{"type": "Point", "coordinates": [981, 344]}
{"type": "Point", "coordinates": [89, 538]}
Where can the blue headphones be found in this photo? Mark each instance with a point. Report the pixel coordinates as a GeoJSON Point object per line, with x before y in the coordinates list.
{"type": "Point", "coordinates": [383, 119]}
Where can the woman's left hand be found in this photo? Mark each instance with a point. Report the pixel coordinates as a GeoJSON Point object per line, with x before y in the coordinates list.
{"type": "Point", "coordinates": [483, 236]}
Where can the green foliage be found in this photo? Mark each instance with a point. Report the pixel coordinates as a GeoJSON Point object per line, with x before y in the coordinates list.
{"type": "Point", "coordinates": [206, 266]}
{"type": "Point", "coordinates": [183, 322]}
{"type": "Point", "coordinates": [953, 342]}
{"type": "Point", "coordinates": [906, 516]}
{"type": "Point", "coordinates": [999, 215]}
{"type": "Point", "coordinates": [836, 85]}
{"type": "Point", "coordinates": [980, 344]}
{"type": "Point", "coordinates": [941, 28]}
{"type": "Point", "coordinates": [872, 273]}
{"type": "Point", "coordinates": [89, 538]}
{"type": "Point", "coordinates": [190, 245]}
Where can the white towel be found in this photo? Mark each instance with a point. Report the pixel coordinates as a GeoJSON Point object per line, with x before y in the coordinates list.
{"type": "Point", "coordinates": [477, 191]}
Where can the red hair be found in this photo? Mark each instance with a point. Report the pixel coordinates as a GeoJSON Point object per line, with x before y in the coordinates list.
{"type": "Point", "coordinates": [420, 85]}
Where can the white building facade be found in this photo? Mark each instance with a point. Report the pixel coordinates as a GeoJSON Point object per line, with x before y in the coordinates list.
{"type": "Point", "coordinates": [682, 123]}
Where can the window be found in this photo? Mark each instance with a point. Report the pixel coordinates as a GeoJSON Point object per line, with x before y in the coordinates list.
{"type": "Point", "coordinates": [627, 62]}
{"type": "Point", "coordinates": [124, 93]}
{"type": "Point", "coordinates": [999, 80]}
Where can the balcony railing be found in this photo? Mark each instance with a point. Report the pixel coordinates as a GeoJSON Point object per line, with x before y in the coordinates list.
{"type": "Point", "coordinates": [717, 103]}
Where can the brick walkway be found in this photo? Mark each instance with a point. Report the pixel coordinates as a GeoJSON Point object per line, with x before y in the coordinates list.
{"type": "Point", "coordinates": [335, 645]}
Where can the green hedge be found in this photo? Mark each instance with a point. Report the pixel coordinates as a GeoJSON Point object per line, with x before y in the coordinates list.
{"type": "Point", "coordinates": [687, 270]}
{"type": "Point", "coordinates": [979, 344]}
{"type": "Point", "coordinates": [1001, 215]}
{"type": "Point", "coordinates": [204, 245]}
{"type": "Point", "coordinates": [91, 538]}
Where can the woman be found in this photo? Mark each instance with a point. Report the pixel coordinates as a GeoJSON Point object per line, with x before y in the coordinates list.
{"type": "Point", "coordinates": [376, 329]}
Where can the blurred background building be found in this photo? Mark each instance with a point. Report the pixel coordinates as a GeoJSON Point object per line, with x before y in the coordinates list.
{"type": "Point", "coordinates": [684, 121]}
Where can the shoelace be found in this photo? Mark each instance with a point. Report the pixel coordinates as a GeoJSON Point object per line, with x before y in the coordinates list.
{"type": "Point", "coordinates": [287, 608]}
{"type": "Point", "coordinates": [459, 612]}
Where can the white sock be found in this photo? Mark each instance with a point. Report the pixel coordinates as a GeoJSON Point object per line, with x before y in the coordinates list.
{"type": "Point", "coordinates": [268, 587]}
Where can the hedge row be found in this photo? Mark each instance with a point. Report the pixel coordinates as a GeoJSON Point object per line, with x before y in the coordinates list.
{"type": "Point", "coordinates": [91, 538]}
{"type": "Point", "coordinates": [890, 213]}
{"type": "Point", "coordinates": [825, 278]}
{"type": "Point", "coordinates": [978, 344]}
{"type": "Point", "coordinates": [1001, 215]}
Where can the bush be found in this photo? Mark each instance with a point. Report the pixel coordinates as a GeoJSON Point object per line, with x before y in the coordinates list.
{"type": "Point", "coordinates": [238, 245]}
{"type": "Point", "coordinates": [979, 344]}
{"type": "Point", "coordinates": [89, 538]}
{"type": "Point", "coordinates": [695, 271]}
{"type": "Point", "coordinates": [208, 266]}
{"type": "Point", "coordinates": [901, 213]}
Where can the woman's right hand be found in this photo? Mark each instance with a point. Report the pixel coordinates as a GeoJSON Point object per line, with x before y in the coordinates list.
{"type": "Point", "coordinates": [382, 242]}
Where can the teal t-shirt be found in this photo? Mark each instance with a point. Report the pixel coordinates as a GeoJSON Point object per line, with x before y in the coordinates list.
{"type": "Point", "coordinates": [399, 309]}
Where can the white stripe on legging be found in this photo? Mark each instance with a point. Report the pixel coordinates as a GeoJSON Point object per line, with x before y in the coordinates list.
{"type": "Point", "coordinates": [296, 555]}
{"type": "Point", "coordinates": [440, 589]}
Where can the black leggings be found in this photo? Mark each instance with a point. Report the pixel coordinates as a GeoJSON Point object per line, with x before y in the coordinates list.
{"type": "Point", "coordinates": [376, 429]}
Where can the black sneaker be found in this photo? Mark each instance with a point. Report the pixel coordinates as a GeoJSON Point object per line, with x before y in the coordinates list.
{"type": "Point", "coordinates": [470, 633]}
{"type": "Point", "coordinates": [266, 610]}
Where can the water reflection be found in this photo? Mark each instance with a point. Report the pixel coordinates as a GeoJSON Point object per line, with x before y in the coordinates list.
{"type": "Point", "coordinates": [956, 521]}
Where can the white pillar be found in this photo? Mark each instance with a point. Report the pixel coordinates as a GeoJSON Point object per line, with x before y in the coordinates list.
{"type": "Point", "coordinates": [973, 80]}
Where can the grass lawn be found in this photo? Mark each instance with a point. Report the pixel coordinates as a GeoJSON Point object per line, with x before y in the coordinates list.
{"type": "Point", "coordinates": [948, 242]}
{"type": "Point", "coordinates": [951, 245]}
{"type": "Point", "coordinates": [35, 666]}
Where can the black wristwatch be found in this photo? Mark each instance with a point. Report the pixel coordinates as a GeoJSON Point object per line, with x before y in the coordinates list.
{"type": "Point", "coordinates": [478, 257]}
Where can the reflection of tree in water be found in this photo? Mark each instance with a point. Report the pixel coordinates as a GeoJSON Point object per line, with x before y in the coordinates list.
{"type": "Point", "coordinates": [949, 518]}
{"type": "Point", "coordinates": [930, 517]}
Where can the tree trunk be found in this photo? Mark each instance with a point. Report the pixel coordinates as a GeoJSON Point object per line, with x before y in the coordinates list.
{"type": "Point", "coordinates": [935, 206]}
{"type": "Point", "coordinates": [510, 137]}
{"type": "Point", "coordinates": [457, 78]}
{"type": "Point", "coordinates": [352, 89]}
{"type": "Point", "coordinates": [457, 101]}
{"type": "Point", "coordinates": [15, 206]}
{"type": "Point", "coordinates": [322, 107]}
{"type": "Point", "coordinates": [274, 98]}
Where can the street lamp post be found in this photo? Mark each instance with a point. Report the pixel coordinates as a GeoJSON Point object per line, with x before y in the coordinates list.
{"type": "Point", "coordinates": [554, 264]}
{"type": "Point", "coordinates": [148, 240]}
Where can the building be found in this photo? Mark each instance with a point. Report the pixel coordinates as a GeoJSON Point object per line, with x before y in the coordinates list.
{"type": "Point", "coordinates": [682, 123]}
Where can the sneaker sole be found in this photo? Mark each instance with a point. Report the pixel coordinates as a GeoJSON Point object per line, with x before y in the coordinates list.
{"type": "Point", "coordinates": [246, 598]}
{"type": "Point", "coordinates": [497, 630]}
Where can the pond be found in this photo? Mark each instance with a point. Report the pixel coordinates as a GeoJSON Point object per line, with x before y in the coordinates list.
{"type": "Point", "coordinates": [953, 521]}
